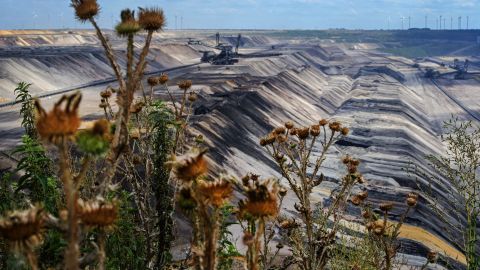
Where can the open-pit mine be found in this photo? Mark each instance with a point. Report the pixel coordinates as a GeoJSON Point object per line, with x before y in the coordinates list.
{"type": "Point", "coordinates": [393, 89]}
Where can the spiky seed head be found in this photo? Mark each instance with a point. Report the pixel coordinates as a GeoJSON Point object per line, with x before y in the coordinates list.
{"type": "Point", "coordinates": [432, 256]}
{"type": "Point", "coordinates": [262, 199]}
{"type": "Point", "coordinates": [215, 192]}
{"type": "Point", "coordinates": [386, 206]}
{"type": "Point", "coordinates": [363, 195]}
{"type": "Point", "coordinates": [23, 229]}
{"type": "Point", "coordinates": [361, 179]}
{"type": "Point", "coordinates": [412, 199]}
{"type": "Point", "coordinates": [98, 213]}
{"type": "Point", "coordinates": [315, 130]}
{"type": "Point", "coordinates": [62, 122]}
{"type": "Point", "coordinates": [263, 142]}
{"type": "Point", "coordinates": [270, 139]}
{"type": "Point", "coordinates": [163, 78]}
{"type": "Point", "coordinates": [345, 131]}
{"type": "Point", "coordinates": [151, 19]}
{"type": "Point", "coordinates": [106, 94]}
{"type": "Point", "coordinates": [85, 9]}
{"type": "Point", "coordinates": [192, 97]}
{"type": "Point", "coordinates": [153, 81]}
{"type": "Point", "coordinates": [303, 133]}
{"type": "Point", "coordinates": [127, 15]}
{"type": "Point", "coordinates": [323, 122]}
{"type": "Point", "coordinates": [191, 166]}
{"type": "Point", "coordinates": [355, 162]}
{"type": "Point", "coordinates": [281, 138]}
{"type": "Point", "coordinates": [289, 125]}
{"type": "Point", "coordinates": [346, 159]}
{"type": "Point", "coordinates": [279, 246]}
{"type": "Point", "coordinates": [185, 85]}
{"type": "Point", "coordinates": [294, 131]}
{"type": "Point", "coordinates": [356, 200]}
{"type": "Point", "coordinates": [335, 126]}
{"type": "Point", "coordinates": [124, 29]}
{"type": "Point", "coordinates": [279, 131]}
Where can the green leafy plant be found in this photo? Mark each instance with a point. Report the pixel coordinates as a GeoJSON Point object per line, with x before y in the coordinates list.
{"type": "Point", "coordinates": [227, 250]}
{"type": "Point", "coordinates": [37, 174]}
{"type": "Point", "coordinates": [27, 110]}
{"type": "Point", "coordinates": [126, 245]}
{"type": "Point", "coordinates": [161, 120]}
{"type": "Point", "coordinates": [458, 169]}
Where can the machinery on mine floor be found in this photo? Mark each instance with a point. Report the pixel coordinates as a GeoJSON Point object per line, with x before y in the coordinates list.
{"type": "Point", "coordinates": [461, 69]}
{"type": "Point", "coordinates": [227, 55]}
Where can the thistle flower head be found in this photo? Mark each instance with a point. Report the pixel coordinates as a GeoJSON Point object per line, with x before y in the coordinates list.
{"type": "Point", "coordinates": [289, 125]}
{"type": "Point", "coordinates": [85, 9]}
{"type": "Point", "coordinates": [127, 15]}
{"type": "Point", "coordinates": [315, 130]}
{"type": "Point", "coordinates": [192, 97]}
{"type": "Point", "coordinates": [215, 192]}
{"type": "Point", "coordinates": [412, 199]}
{"type": "Point", "coordinates": [98, 213]}
{"type": "Point", "coordinates": [323, 122]}
{"type": "Point", "coordinates": [151, 19]}
{"type": "Point", "coordinates": [137, 107]}
{"type": "Point", "coordinates": [335, 126]}
{"type": "Point", "coordinates": [432, 256]}
{"type": "Point", "coordinates": [279, 131]}
{"type": "Point", "coordinates": [190, 166]}
{"type": "Point", "coordinates": [386, 206]}
{"type": "Point", "coordinates": [124, 29]}
{"type": "Point", "coordinates": [23, 229]}
{"type": "Point", "coordinates": [107, 93]}
{"type": "Point", "coordinates": [153, 81]}
{"type": "Point", "coordinates": [303, 133]}
{"type": "Point", "coordinates": [262, 199]}
{"type": "Point", "coordinates": [60, 122]}
{"type": "Point", "coordinates": [163, 78]}
{"type": "Point", "coordinates": [185, 85]}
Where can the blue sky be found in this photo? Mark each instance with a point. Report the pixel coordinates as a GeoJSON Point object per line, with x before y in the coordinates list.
{"type": "Point", "coordinates": [253, 14]}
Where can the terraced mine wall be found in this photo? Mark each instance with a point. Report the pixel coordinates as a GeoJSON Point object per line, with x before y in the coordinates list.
{"type": "Point", "coordinates": [395, 115]}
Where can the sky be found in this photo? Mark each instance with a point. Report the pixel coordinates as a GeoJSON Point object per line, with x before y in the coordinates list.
{"type": "Point", "coordinates": [254, 14]}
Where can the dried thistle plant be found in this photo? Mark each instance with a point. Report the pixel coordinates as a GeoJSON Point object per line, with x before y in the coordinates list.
{"type": "Point", "coordinates": [292, 149]}
{"type": "Point", "coordinates": [258, 213]}
{"type": "Point", "coordinates": [202, 199]}
{"type": "Point", "coordinates": [150, 20]}
{"type": "Point", "coordinates": [381, 236]}
{"type": "Point", "coordinates": [24, 232]}
{"type": "Point", "coordinates": [59, 127]}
